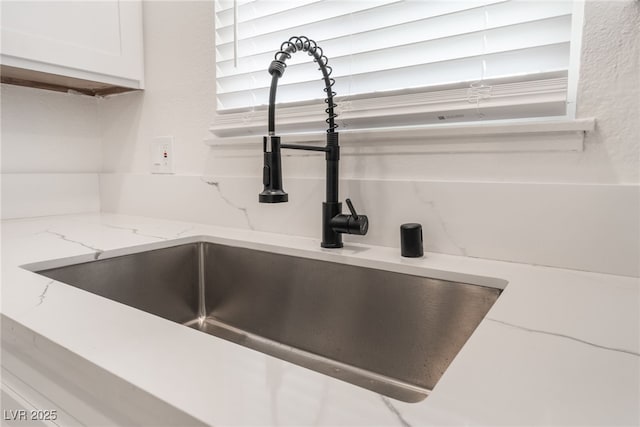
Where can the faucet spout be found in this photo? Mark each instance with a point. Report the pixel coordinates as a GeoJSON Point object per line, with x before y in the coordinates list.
{"type": "Point", "coordinates": [334, 223]}
{"type": "Point", "coordinates": [278, 66]}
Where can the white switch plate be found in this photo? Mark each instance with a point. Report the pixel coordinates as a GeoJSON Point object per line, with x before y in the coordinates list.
{"type": "Point", "coordinates": [162, 154]}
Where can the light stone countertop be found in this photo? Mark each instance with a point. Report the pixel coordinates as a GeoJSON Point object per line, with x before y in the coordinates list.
{"type": "Point", "coordinates": [559, 347]}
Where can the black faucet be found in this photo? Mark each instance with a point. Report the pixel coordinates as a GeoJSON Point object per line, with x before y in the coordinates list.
{"type": "Point", "coordinates": [334, 222]}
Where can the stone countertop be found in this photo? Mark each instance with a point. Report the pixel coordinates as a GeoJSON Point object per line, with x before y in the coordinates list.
{"type": "Point", "coordinates": [559, 347]}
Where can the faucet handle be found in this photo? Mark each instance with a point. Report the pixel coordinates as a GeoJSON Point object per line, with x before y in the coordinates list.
{"type": "Point", "coordinates": [350, 224]}
{"type": "Point", "coordinates": [352, 209]}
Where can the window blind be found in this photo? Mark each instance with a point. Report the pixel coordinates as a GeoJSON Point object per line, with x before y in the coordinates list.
{"type": "Point", "coordinates": [395, 62]}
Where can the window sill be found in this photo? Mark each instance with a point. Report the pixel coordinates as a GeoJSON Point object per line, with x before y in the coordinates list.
{"type": "Point", "coordinates": [496, 136]}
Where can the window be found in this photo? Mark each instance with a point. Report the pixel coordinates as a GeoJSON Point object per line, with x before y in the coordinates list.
{"type": "Point", "coordinates": [396, 63]}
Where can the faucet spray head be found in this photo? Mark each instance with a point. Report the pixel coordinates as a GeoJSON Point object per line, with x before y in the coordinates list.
{"type": "Point", "coordinates": [272, 172]}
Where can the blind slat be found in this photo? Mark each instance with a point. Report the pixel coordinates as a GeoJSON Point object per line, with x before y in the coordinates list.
{"type": "Point", "coordinates": [345, 23]}
{"type": "Point", "coordinates": [253, 51]}
{"type": "Point", "coordinates": [252, 10]}
{"type": "Point", "coordinates": [377, 47]}
{"type": "Point", "coordinates": [222, 5]}
{"type": "Point", "coordinates": [544, 97]}
{"type": "Point", "coordinates": [529, 35]}
{"type": "Point", "coordinates": [296, 16]}
{"type": "Point", "coordinates": [501, 65]}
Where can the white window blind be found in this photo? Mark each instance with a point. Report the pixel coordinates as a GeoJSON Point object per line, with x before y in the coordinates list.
{"type": "Point", "coordinates": [395, 62]}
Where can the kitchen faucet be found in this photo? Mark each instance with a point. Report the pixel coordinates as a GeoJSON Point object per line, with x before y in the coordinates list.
{"type": "Point", "coordinates": [334, 222]}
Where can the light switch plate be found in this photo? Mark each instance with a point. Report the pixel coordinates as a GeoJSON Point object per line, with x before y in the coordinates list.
{"type": "Point", "coordinates": [161, 154]}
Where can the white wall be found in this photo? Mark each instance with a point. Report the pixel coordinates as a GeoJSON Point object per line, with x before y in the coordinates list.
{"type": "Point", "coordinates": [610, 88]}
{"type": "Point", "coordinates": [45, 131]}
{"type": "Point", "coordinates": [179, 95]}
{"type": "Point", "coordinates": [51, 152]}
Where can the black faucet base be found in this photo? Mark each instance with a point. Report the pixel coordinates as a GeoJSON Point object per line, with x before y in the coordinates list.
{"type": "Point", "coordinates": [273, 197]}
{"type": "Point", "coordinates": [330, 238]}
{"type": "Point", "coordinates": [332, 245]}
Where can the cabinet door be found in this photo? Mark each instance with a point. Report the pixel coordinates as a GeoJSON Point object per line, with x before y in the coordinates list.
{"type": "Point", "coordinates": [92, 40]}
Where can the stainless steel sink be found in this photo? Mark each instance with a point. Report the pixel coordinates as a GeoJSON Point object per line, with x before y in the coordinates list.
{"type": "Point", "coordinates": [392, 333]}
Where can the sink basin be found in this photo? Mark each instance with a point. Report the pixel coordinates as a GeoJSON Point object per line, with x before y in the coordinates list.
{"type": "Point", "coordinates": [389, 332]}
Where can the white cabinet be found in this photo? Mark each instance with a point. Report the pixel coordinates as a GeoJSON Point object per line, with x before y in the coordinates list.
{"type": "Point", "coordinates": [70, 42]}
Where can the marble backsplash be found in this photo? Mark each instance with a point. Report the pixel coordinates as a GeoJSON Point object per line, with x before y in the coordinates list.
{"type": "Point", "coordinates": [589, 227]}
{"type": "Point", "coordinates": [577, 226]}
{"type": "Point", "coordinates": [40, 194]}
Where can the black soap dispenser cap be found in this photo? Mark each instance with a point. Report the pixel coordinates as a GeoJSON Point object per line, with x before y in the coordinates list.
{"type": "Point", "coordinates": [411, 240]}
